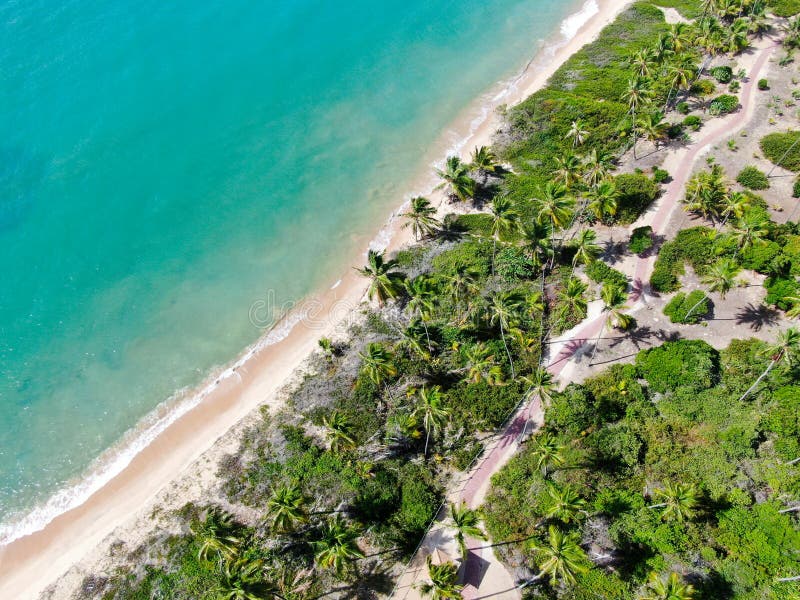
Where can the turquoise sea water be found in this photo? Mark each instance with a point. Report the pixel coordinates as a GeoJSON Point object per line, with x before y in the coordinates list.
{"type": "Point", "coordinates": [164, 164]}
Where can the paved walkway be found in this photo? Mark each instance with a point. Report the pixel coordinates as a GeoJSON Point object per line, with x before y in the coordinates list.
{"type": "Point", "coordinates": [483, 575]}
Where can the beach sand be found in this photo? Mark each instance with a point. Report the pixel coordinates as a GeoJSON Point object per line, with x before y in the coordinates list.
{"type": "Point", "coordinates": [180, 464]}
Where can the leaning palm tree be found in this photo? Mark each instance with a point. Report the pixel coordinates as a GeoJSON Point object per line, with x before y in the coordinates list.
{"type": "Point", "coordinates": [678, 501]}
{"type": "Point", "coordinates": [613, 307]}
{"type": "Point", "coordinates": [421, 217]}
{"type": "Point", "coordinates": [602, 200]}
{"type": "Point", "coordinates": [679, 37]}
{"type": "Point", "coordinates": [637, 93]}
{"type": "Point", "coordinates": [652, 126]}
{"type": "Point", "coordinates": [286, 508]}
{"type": "Point", "coordinates": [569, 169]}
{"type": "Point", "coordinates": [456, 180]}
{"type": "Point", "coordinates": [378, 363]}
{"type": "Point", "coordinates": [554, 206]}
{"type": "Point", "coordinates": [641, 62]}
{"type": "Point", "coordinates": [481, 364]}
{"type": "Point", "coordinates": [443, 582]}
{"type": "Point", "coordinates": [337, 546]}
{"type": "Point", "coordinates": [547, 452]}
{"type": "Point", "coordinates": [505, 221]}
{"type": "Point", "coordinates": [564, 503]}
{"type": "Point", "coordinates": [734, 204]}
{"type": "Point", "coordinates": [434, 414]}
{"type": "Point", "coordinates": [339, 432]}
{"type": "Point", "coordinates": [706, 192]}
{"type": "Point", "coordinates": [586, 248]}
{"type": "Point", "coordinates": [666, 588]}
{"type": "Point", "coordinates": [577, 133]}
{"type": "Point", "coordinates": [385, 282]}
{"type": "Point", "coordinates": [421, 300]}
{"type": "Point", "coordinates": [680, 76]}
{"type": "Point", "coordinates": [466, 522]}
{"type": "Point", "coordinates": [541, 384]}
{"type": "Point", "coordinates": [538, 243]}
{"type": "Point", "coordinates": [484, 161]}
{"type": "Point", "coordinates": [243, 579]}
{"type": "Point", "coordinates": [571, 300]}
{"type": "Point", "coordinates": [785, 349]}
{"type": "Point", "coordinates": [751, 230]}
{"type": "Point", "coordinates": [216, 535]}
{"type": "Point", "coordinates": [463, 284]}
{"type": "Point", "coordinates": [596, 167]}
{"type": "Point", "coordinates": [562, 557]}
{"type": "Point", "coordinates": [736, 38]}
{"type": "Point", "coordinates": [503, 308]}
{"type": "Point", "coordinates": [721, 278]}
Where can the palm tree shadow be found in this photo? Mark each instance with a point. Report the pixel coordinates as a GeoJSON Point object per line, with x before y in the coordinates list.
{"type": "Point", "coordinates": [757, 316]}
{"type": "Point", "coordinates": [612, 250]}
{"type": "Point", "coordinates": [645, 336]}
{"type": "Point", "coordinates": [450, 231]}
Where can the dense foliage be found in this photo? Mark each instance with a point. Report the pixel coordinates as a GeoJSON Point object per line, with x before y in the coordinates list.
{"type": "Point", "coordinates": [783, 149]}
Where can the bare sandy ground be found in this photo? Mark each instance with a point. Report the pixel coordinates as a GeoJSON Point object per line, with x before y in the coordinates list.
{"type": "Point", "coordinates": [180, 465]}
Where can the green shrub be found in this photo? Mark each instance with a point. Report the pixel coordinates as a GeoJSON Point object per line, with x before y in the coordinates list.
{"type": "Point", "coordinates": [477, 223]}
{"type": "Point", "coordinates": [470, 254]}
{"type": "Point", "coordinates": [419, 500]}
{"type": "Point", "coordinates": [695, 246]}
{"type": "Point", "coordinates": [678, 308]}
{"type": "Point", "coordinates": [686, 363]}
{"type": "Point", "coordinates": [641, 239]}
{"type": "Point", "coordinates": [660, 175]}
{"type": "Point", "coordinates": [796, 188]}
{"type": "Point", "coordinates": [779, 289]}
{"type": "Point", "coordinates": [759, 257]}
{"type": "Point", "coordinates": [703, 87]}
{"type": "Point", "coordinates": [683, 108]}
{"type": "Point", "coordinates": [763, 84]}
{"type": "Point", "coordinates": [635, 192]}
{"type": "Point", "coordinates": [512, 264]}
{"type": "Point", "coordinates": [600, 272]}
{"type": "Point", "coordinates": [722, 105]}
{"type": "Point", "coordinates": [753, 179]}
{"type": "Point", "coordinates": [693, 122]}
{"type": "Point", "coordinates": [734, 86]}
{"type": "Point", "coordinates": [784, 8]}
{"type": "Point", "coordinates": [675, 131]}
{"type": "Point", "coordinates": [723, 74]}
{"type": "Point", "coordinates": [783, 147]}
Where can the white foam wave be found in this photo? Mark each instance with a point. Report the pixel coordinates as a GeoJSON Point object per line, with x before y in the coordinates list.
{"type": "Point", "coordinates": [573, 23]}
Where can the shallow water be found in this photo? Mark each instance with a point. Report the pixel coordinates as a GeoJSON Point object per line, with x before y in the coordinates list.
{"type": "Point", "coordinates": [165, 165]}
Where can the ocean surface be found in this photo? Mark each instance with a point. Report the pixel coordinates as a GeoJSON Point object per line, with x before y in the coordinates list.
{"type": "Point", "coordinates": [164, 165]}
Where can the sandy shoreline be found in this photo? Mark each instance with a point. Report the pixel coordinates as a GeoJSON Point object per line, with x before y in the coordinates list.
{"type": "Point", "coordinates": [183, 459]}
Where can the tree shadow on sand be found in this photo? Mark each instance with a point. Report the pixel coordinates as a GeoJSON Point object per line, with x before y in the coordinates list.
{"type": "Point", "coordinates": [757, 316]}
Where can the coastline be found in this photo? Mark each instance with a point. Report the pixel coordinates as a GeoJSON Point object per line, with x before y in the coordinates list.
{"type": "Point", "coordinates": [185, 453]}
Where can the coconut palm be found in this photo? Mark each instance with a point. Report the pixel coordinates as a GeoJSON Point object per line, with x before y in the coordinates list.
{"type": "Point", "coordinates": [641, 62]}
{"type": "Point", "coordinates": [216, 535]}
{"type": "Point", "coordinates": [678, 501]}
{"type": "Point", "coordinates": [385, 283]}
{"type": "Point", "coordinates": [562, 557]}
{"type": "Point", "coordinates": [243, 579]}
{"type": "Point", "coordinates": [456, 180]}
{"type": "Point", "coordinates": [613, 307]}
{"type": "Point", "coordinates": [421, 217]}
{"type": "Point", "coordinates": [652, 126]}
{"type": "Point", "coordinates": [542, 385]}
{"type": "Point", "coordinates": [577, 133]}
{"type": "Point", "coordinates": [421, 300]}
{"type": "Point", "coordinates": [564, 503]}
{"type": "Point", "coordinates": [720, 278]}
{"type": "Point", "coordinates": [443, 582]}
{"type": "Point", "coordinates": [462, 285]}
{"type": "Point", "coordinates": [596, 166]}
{"type": "Point", "coordinates": [339, 431]}
{"type": "Point", "coordinates": [481, 364]}
{"type": "Point", "coordinates": [586, 247]}
{"type": "Point", "coordinates": [706, 191]}
{"type": "Point", "coordinates": [794, 310]}
{"type": "Point", "coordinates": [337, 546]}
{"type": "Point", "coordinates": [680, 75]}
{"type": "Point", "coordinates": [554, 206]}
{"type": "Point", "coordinates": [484, 161]}
{"type": "Point", "coordinates": [378, 363]}
{"type": "Point", "coordinates": [602, 200]}
{"type": "Point", "coordinates": [430, 407]}
{"type": "Point", "coordinates": [286, 508]}
{"type": "Point", "coordinates": [503, 308]}
{"type": "Point", "coordinates": [572, 298]}
{"type": "Point", "coordinates": [637, 93]}
{"type": "Point", "coordinates": [569, 169]}
{"type": "Point", "coordinates": [504, 221]}
{"type": "Point", "coordinates": [735, 37]}
{"type": "Point", "coordinates": [734, 204]}
{"type": "Point", "coordinates": [538, 243]}
{"type": "Point", "coordinates": [666, 588]}
{"type": "Point", "coordinates": [785, 349]}
{"type": "Point", "coordinates": [547, 452]}
{"type": "Point", "coordinates": [751, 230]}
{"type": "Point", "coordinates": [466, 522]}
{"type": "Point", "coordinates": [417, 341]}
{"type": "Point", "coordinates": [710, 35]}
{"type": "Point", "coordinates": [679, 37]}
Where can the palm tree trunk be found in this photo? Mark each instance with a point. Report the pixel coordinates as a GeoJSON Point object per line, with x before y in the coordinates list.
{"type": "Point", "coordinates": [691, 310]}
{"type": "Point", "coordinates": [425, 326]}
{"type": "Point", "coordinates": [427, 439]}
{"type": "Point", "coordinates": [788, 510]}
{"type": "Point", "coordinates": [508, 353]}
{"type": "Point", "coordinates": [596, 344]}
{"type": "Point", "coordinates": [772, 363]}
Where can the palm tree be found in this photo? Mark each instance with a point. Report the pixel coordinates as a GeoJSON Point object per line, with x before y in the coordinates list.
{"type": "Point", "coordinates": [678, 36]}
{"type": "Point", "coordinates": [734, 204]}
{"type": "Point", "coordinates": [613, 307]}
{"type": "Point", "coordinates": [216, 535]}
{"type": "Point", "coordinates": [421, 218]}
{"type": "Point", "coordinates": [785, 349]}
{"type": "Point", "coordinates": [562, 557]}
{"type": "Point", "coordinates": [736, 39]}
{"type": "Point", "coordinates": [569, 169]}
{"type": "Point", "coordinates": [430, 405]}
{"type": "Point", "coordinates": [577, 133]}
{"type": "Point", "coordinates": [442, 584]}
{"type": "Point", "coordinates": [378, 363]}
{"type": "Point", "coordinates": [721, 278]}
{"type": "Point", "coordinates": [541, 383]}
{"type": "Point", "coordinates": [572, 298]}
{"type": "Point", "coordinates": [456, 180]}
{"type": "Point", "coordinates": [243, 579]}
{"type": "Point", "coordinates": [586, 247]}
{"type": "Point", "coordinates": [637, 93]}
{"type": "Point", "coordinates": [547, 452]}
{"type": "Point", "coordinates": [706, 191]}
{"type": "Point", "coordinates": [679, 501]}
{"type": "Point", "coordinates": [484, 161]}
{"type": "Point", "coordinates": [340, 432]}
{"type": "Point", "coordinates": [421, 299]}
{"type": "Point", "coordinates": [602, 200]}
{"type": "Point", "coordinates": [538, 243]}
{"type": "Point", "coordinates": [555, 207]}
{"type": "Point", "coordinates": [481, 364]}
{"type": "Point", "coordinates": [286, 508]}
{"type": "Point", "coordinates": [417, 341]}
{"type": "Point", "coordinates": [564, 503]}
{"type": "Point", "coordinates": [505, 221]}
{"type": "Point", "coordinates": [596, 166]}
{"type": "Point", "coordinates": [751, 230]}
{"type": "Point", "coordinates": [466, 523]}
{"type": "Point", "coordinates": [385, 282]}
{"type": "Point", "coordinates": [680, 76]}
{"type": "Point", "coordinates": [641, 61]}
{"type": "Point", "coordinates": [666, 588]}
{"type": "Point", "coordinates": [337, 546]}
{"type": "Point", "coordinates": [503, 308]}
{"type": "Point", "coordinates": [652, 127]}
{"type": "Point", "coordinates": [709, 35]}
{"type": "Point", "coordinates": [794, 310]}
{"type": "Point", "coordinates": [463, 284]}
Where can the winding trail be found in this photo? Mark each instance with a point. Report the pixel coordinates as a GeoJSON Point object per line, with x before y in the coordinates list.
{"type": "Point", "coordinates": [483, 575]}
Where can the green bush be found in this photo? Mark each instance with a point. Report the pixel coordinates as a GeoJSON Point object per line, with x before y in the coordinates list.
{"type": "Point", "coordinates": [703, 87]}
{"type": "Point", "coordinates": [723, 74]}
{"type": "Point", "coordinates": [695, 246]}
{"type": "Point", "coordinates": [763, 84]}
{"type": "Point", "coordinates": [476, 223]}
{"type": "Point", "coordinates": [678, 308]}
{"type": "Point", "coordinates": [419, 500]}
{"type": "Point", "coordinates": [513, 264]}
{"type": "Point", "coordinates": [635, 192]}
{"type": "Point", "coordinates": [784, 8]}
{"type": "Point", "coordinates": [796, 188]}
{"type": "Point", "coordinates": [783, 147]}
{"type": "Point", "coordinates": [641, 239]}
{"type": "Point", "coordinates": [683, 108]}
{"type": "Point", "coordinates": [686, 363]}
{"type": "Point", "coordinates": [600, 272]}
{"type": "Point", "coordinates": [753, 179]}
{"type": "Point", "coordinates": [779, 289]}
{"type": "Point", "coordinates": [471, 254]}
{"type": "Point", "coordinates": [759, 257]}
{"type": "Point", "coordinates": [693, 122]}
{"type": "Point", "coordinates": [660, 175]}
{"type": "Point", "coordinates": [722, 105]}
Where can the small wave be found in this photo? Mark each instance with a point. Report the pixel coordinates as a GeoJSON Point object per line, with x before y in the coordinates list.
{"type": "Point", "coordinates": [573, 23]}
